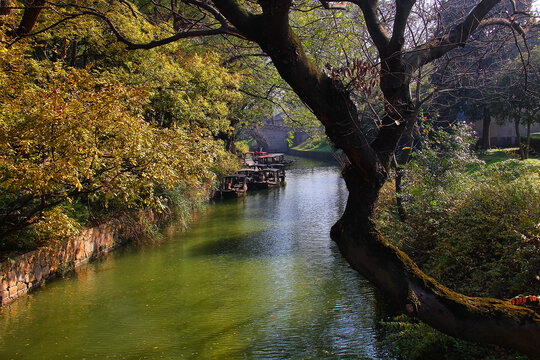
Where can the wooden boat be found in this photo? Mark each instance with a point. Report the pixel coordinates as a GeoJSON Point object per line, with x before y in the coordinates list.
{"type": "Point", "coordinates": [273, 159]}
{"type": "Point", "coordinates": [248, 172]}
{"type": "Point", "coordinates": [232, 186]}
{"type": "Point", "coordinates": [272, 177]}
{"type": "Point", "coordinates": [249, 162]}
{"type": "Point", "coordinates": [263, 177]}
{"type": "Point", "coordinates": [281, 168]}
{"type": "Point", "coordinates": [258, 181]}
{"type": "Point", "coordinates": [255, 154]}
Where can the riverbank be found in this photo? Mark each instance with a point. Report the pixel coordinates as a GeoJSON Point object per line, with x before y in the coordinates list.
{"type": "Point", "coordinates": [30, 271]}
{"type": "Point", "coordinates": [316, 155]}
{"type": "Point", "coordinates": [317, 149]}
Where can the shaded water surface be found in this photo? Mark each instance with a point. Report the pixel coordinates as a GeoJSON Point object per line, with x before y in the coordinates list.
{"type": "Point", "coordinates": [253, 278]}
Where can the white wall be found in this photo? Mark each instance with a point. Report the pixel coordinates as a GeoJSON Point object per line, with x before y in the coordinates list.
{"type": "Point", "coordinates": [503, 135]}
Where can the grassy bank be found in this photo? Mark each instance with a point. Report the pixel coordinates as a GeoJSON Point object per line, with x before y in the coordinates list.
{"type": "Point", "coordinates": [317, 148]}
{"type": "Point", "coordinates": [495, 155]}
{"type": "Point", "coordinates": [316, 144]}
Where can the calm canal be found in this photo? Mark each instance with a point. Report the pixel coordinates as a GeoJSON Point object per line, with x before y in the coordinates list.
{"type": "Point", "coordinates": [254, 278]}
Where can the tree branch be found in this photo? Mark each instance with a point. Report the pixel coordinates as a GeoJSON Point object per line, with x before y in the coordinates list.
{"type": "Point", "coordinates": [31, 12]}
{"type": "Point", "coordinates": [437, 47]}
{"type": "Point", "coordinates": [225, 27]}
{"type": "Point", "coordinates": [247, 23]}
{"type": "Point", "coordinates": [70, 17]}
{"type": "Point", "coordinates": [504, 22]}
{"type": "Point", "coordinates": [327, 98]}
{"type": "Point", "coordinates": [403, 10]}
{"type": "Point", "coordinates": [377, 32]}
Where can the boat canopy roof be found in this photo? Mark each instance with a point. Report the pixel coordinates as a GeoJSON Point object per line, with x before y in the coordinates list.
{"type": "Point", "coordinates": [271, 155]}
{"type": "Point", "coordinates": [235, 176]}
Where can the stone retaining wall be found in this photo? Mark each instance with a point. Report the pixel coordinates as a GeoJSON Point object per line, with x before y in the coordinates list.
{"type": "Point", "coordinates": [31, 270]}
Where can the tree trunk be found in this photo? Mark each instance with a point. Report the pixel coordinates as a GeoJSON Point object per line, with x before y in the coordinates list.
{"type": "Point", "coordinates": [397, 276]}
{"type": "Point", "coordinates": [399, 200]}
{"type": "Point", "coordinates": [406, 144]}
{"type": "Point", "coordinates": [528, 142]}
{"type": "Point", "coordinates": [486, 129]}
{"type": "Point", "coordinates": [518, 136]}
{"type": "Point", "coordinates": [31, 12]}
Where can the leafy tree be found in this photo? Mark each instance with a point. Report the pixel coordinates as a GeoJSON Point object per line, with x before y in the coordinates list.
{"type": "Point", "coordinates": [465, 79]}
{"type": "Point", "coordinates": [356, 233]}
{"type": "Point", "coordinates": [518, 94]}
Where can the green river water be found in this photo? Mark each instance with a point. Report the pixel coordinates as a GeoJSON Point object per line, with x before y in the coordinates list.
{"type": "Point", "coordinates": [254, 278]}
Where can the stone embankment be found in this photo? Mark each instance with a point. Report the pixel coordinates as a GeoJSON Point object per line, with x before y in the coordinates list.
{"type": "Point", "coordinates": [31, 270]}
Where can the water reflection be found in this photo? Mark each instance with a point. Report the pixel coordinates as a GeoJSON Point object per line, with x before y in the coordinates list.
{"type": "Point", "coordinates": [254, 278]}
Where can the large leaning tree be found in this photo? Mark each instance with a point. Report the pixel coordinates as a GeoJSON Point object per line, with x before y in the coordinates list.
{"type": "Point", "coordinates": [268, 24]}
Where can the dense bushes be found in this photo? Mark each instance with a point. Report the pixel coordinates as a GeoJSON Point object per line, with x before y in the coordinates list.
{"type": "Point", "coordinates": [474, 227]}
{"type": "Point", "coordinates": [535, 143]}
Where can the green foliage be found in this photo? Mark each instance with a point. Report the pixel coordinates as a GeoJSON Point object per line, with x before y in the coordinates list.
{"type": "Point", "coordinates": [473, 228]}
{"type": "Point", "coordinates": [315, 143]}
{"type": "Point", "coordinates": [430, 184]}
{"type": "Point", "coordinates": [490, 241]}
{"type": "Point", "coordinates": [183, 202]}
{"type": "Point", "coordinates": [442, 153]}
{"type": "Point", "coordinates": [242, 146]}
{"type": "Point", "coordinates": [412, 339]}
{"type": "Point", "coordinates": [184, 87]}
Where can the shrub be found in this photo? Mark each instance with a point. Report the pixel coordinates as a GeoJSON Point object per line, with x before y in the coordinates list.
{"type": "Point", "coordinates": [474, 228]}
{"type": "Point", "coordinates": [412, 339]}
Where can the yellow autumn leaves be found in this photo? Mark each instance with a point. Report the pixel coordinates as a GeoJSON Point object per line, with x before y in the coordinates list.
{"type": "Point", "coordinates": [67, 133]}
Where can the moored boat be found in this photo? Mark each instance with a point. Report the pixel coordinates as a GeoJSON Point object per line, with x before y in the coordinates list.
{"type": "Point", "coordinates": [232, 186]}
{"type": "Point", "coordinates": [273, 159]}
{"type": "Point", "coordinates": [272, 177]}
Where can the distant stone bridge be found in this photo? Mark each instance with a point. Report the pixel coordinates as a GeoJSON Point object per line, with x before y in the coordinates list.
{"type": "Point", "coordinates": [272, 136]}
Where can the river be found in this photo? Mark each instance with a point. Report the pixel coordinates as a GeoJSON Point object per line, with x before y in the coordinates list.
{"type": "Point", "coordinates": [254, 278]}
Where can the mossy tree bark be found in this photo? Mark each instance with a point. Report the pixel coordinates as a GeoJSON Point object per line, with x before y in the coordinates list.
{"type": "Point", "coordinates": [356, 234]}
